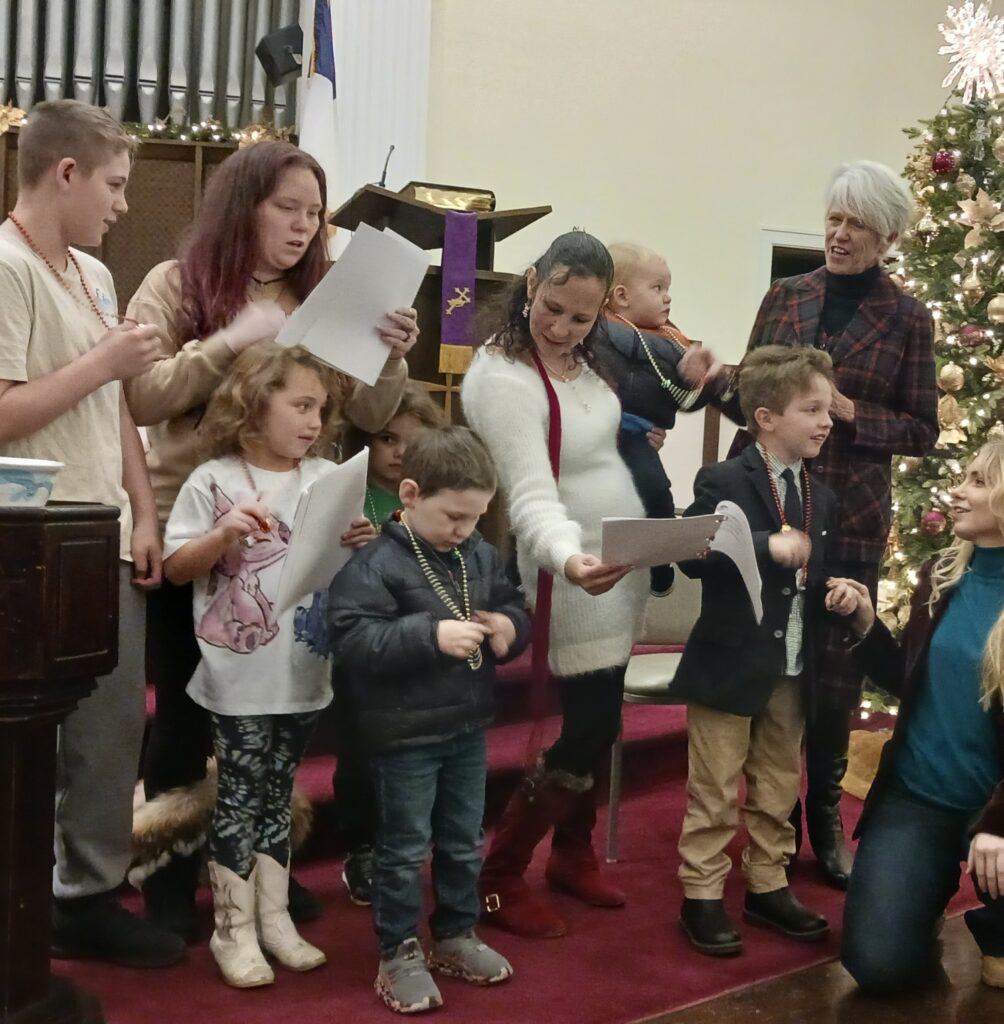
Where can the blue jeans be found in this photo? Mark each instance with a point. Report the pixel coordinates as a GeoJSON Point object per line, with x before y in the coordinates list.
{"type": "Point", "coordinates": [433, 794]}
{"type": "Point", "coordinates": [906, 869]}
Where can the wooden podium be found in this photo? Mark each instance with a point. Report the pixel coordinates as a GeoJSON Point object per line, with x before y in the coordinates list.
{"type": "Point", "coordinates": [58, 630]}
{"type": "Point", "coordinates": [423, 223]}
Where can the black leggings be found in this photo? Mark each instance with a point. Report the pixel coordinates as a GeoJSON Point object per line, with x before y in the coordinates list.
{"type": "Point", "coordinates": [257, 756]}
{"type": "Point", "coordinates": [180, 739]}
{"type": "Point", "coordinates": [590, 720]}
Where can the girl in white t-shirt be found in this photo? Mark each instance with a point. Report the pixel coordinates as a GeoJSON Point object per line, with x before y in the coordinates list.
{"type": "Point", "coordinates": [264, 676]}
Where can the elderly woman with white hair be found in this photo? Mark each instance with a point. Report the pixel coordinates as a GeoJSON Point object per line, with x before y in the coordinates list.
{"type": "Point", "coordinates": [884, 403]}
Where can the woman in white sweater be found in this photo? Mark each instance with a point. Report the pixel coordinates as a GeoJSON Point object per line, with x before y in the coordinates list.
{"type": "Point", "coordinates": [539, 370]}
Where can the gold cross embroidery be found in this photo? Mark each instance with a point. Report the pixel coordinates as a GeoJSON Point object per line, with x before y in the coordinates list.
{"type": "Point", "coordinates": [463, 297]}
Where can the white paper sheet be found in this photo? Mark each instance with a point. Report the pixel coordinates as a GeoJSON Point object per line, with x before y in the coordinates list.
{"type": "Point", "coordinates": [647, 542]}
{"type": "Point", "coordinates": [735, 541]}
{"type": "Point", "coordinates": [324, 512]}
{"type": "Point", "coordinates": [378, 272]}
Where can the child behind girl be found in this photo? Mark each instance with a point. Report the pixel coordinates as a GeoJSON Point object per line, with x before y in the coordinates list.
{"type": "Point", "coordinates": [263, 677]}
{"type": "Point", "coordinates": [415, 412]}
{"type": "Point", "coordinates": [354, 808]}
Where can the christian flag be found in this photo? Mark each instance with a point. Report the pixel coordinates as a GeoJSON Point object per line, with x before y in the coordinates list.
{"type": "Point", "coordinates": [317, 126]}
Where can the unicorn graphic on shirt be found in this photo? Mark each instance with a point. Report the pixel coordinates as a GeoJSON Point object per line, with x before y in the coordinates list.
{"type": "Point", "coordinates": [240, 616]}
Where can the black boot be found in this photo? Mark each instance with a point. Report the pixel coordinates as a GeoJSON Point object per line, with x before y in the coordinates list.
{"type": "Point", "coordinates": [169, 896]}
{"type": "Point", "coordinates": [709, 929]}
{"type": "Point", "coordinates": [825, 764]}
{"type": "Point", "coordinates": [98, 927]}
{"type": "Point", "coordinates": [303, 904]}
{"type": "Point", "coordinates": [781, 911]}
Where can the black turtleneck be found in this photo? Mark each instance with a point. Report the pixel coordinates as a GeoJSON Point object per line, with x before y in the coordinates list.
{"type": "Point", "coordinates": [844, 293]}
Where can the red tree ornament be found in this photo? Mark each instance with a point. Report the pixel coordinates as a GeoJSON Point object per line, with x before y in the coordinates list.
{"type": "Point", "coordinates": [933, 522]}
{"type": "Point", "coordinates": [944, 162]}
{"type": "Point", "coordinates": [970, 336]}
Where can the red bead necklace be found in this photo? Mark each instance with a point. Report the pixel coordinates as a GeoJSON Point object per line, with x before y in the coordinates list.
{"type": "Point", "coordinates": [95, 309]}
{"type": "Point", "coordinates": [806, 507]}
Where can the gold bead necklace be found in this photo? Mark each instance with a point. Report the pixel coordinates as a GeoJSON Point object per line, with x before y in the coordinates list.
{"type": "Point", "coordinates": [475, 659]}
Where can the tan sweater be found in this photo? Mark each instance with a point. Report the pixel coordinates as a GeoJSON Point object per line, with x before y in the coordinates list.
{"type": "Point", "coordinates": [170, 398]}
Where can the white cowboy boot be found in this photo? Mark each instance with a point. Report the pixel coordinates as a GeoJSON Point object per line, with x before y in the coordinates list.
{"type": "Point", "coordinates": [277, 932]}
{"type": "Point", "coordinates": [235, 943]}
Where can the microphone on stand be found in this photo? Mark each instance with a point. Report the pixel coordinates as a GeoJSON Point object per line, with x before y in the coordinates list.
{"type": "Point", "coordinates": [383, 177]}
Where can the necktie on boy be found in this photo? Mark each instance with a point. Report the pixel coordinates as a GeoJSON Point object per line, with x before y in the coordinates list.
{"type": "Point", "coordinates": [792, 502]}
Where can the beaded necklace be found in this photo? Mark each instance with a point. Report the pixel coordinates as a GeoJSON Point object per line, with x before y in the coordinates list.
{"type": "Point", "coordinates": [684, 398]}
{"type": "Point", "coordinates": [786, 527]}
{"type": "Point", "coordinates": [475, 659]}
{"type": "Point", "coordinates": [371, 513]}
{"type": "Point", "coordinates": [565, 379]}
{"type": "Point", "coordinates": [93, 305]}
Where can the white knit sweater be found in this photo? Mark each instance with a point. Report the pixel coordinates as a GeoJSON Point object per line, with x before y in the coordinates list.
{"type": "Point", "coordinates": [506, 404]}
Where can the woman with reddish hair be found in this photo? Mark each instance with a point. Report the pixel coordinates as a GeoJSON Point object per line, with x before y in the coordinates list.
{"type": "Point", "coordinates": [253, 255]}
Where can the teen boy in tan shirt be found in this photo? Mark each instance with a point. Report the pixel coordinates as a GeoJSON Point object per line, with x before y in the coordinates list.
{"type": "Point", "coordinates": [63, 356]}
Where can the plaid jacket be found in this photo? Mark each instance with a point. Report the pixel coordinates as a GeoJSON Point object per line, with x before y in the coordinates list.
{"type": "Point", "coordinates": [884, 363]}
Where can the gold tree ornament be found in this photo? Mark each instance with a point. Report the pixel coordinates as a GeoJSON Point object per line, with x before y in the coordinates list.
{"type": "Point", "coordinates": [951, 378]}
{"type": "Point", "coordinates": [966, 183]}
{"type": "Point", "coordinates": [996, 432]}
{"type": "Point", "coordinates": [950, 420]}
{"type": "Point", "coordinates": [995, 309]}
{"type": "Point", "coordinates": [926, 229]}
{"type": "Point", "coordinates": [972, 286]}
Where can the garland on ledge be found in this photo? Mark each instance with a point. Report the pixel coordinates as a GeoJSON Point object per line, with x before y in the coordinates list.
{"type": "Point", "coordinates": [209, 130]}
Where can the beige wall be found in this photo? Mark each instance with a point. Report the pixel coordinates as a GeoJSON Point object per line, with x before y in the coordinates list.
{"type": "Point", "coordinates": [689, 125]}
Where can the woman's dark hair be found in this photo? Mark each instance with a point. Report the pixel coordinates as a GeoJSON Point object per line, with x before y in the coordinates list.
{"type": "Point", "coordinates": [573, 254]}
{"type": "Point", "coordinates": [220, 255]}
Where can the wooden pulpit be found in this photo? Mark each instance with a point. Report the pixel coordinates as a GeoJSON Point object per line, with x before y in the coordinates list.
{"type": "Point", "coordinates": [58, 631]}
{"type": "Point", "coordinates": [418, 213]}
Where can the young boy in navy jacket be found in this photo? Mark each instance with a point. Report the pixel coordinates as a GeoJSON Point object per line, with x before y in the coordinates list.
{"type": "Point", "coordinates": [746, 685]}
{"type": "Point", "coordinates": [419, 618]}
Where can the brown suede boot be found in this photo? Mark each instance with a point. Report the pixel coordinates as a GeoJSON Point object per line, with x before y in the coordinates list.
{"type": "Point", "coordinates": [572, 867]}
{"type": "Point", "coordinates": [542, 799]}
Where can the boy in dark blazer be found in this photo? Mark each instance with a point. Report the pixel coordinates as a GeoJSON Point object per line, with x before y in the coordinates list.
{"type": "Point", "coordinates": [746, 684]}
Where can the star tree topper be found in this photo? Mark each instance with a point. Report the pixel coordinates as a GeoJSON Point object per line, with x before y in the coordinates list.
{"type": "Point", "coordinates": [975, 41]}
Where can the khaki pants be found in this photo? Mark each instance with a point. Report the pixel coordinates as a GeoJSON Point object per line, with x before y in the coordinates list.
{"type": "Point", "coordinates": [767, 750]}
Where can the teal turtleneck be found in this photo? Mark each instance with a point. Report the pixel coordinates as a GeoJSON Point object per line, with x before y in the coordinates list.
{"type": "Point", "coordinates": [950, 754]}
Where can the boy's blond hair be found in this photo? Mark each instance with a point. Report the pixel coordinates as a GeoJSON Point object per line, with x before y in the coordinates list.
{"type": "Point", "coordinates": [68, 128]}
{"type": "Point", "coordinates": [628, 257]}
{"type": "Point", "coordinates": [771, 376]}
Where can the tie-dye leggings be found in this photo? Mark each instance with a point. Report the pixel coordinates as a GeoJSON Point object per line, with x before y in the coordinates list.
{"type": "Point", "coordinates": [257, 757]}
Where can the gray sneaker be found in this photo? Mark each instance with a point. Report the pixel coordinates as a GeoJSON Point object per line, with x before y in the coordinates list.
{"type": "Point", "coordinates": [404, 983]}
{"type": "Point", "coordinates": [467, 957]}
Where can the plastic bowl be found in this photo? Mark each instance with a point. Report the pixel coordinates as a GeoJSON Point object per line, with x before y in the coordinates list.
{"type": "Point", "coordinates": [27, 482]}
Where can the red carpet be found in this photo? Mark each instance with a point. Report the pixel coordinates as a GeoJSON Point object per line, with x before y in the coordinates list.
{"type": "Point", "coordinates": [614, 965]}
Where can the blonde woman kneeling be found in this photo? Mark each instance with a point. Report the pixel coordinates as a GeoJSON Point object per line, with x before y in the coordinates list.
{"type": "Point", "coordinates": [938, 798]}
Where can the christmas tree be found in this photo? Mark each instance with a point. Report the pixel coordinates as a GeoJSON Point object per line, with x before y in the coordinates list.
{"type": "Point", "coordinates": [953, 261]}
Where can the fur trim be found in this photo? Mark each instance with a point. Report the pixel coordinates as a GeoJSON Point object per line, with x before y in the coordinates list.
{"type": "Point", "coordinates": [177, 821]}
